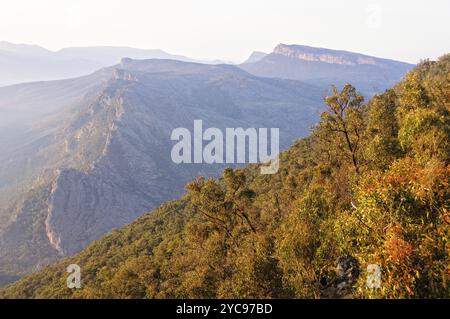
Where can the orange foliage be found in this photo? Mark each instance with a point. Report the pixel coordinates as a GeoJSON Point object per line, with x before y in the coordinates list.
{"type": "Point", "coordinates": [397, 249]}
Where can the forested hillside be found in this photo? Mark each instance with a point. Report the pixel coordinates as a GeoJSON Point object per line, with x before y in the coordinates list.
{"type": "Point", "coordinates": [83, 156]}
{"type": "Point", "coordinates": [370, 185]}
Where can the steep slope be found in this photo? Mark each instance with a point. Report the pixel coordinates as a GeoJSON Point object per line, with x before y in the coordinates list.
{"type": "Point", "coordinates": [93, 153]}
{"type": "Point", "coordinates": [309, 231]}
{"type": "Point", "coordinates": [324, 66]}
{"type": "Point", "coordinates": [30, 116]}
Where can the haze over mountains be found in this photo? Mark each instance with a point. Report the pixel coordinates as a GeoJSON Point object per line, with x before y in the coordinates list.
{"type": "Point", "coordinates": [255, 57]}
{"type": "Point", "coordinates": [82, 156]}
{"type": "Point", "coordinates": [25, 63]}
{"type": "Point", "coordinates": [323, 67]}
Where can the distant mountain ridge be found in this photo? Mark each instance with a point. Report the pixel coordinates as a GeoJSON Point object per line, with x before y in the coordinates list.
{"type": "Point", "coordinates": [255, 57]}
{"type": "Point", "coordinates": [27, 63]}
{"type": "Point", "coordinates": [307, 53]}
{"type": "Point", "coordinates": [325, 66]}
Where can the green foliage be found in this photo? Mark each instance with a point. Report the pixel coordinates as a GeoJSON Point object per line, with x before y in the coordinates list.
{"type": "Point", "coordinates": [342, 126]}
{"type": "Point", "coordinates": [383, 146]}
{"type": "Point", "coordinates": [425, 134]}
{"type": "Point", "coordinates": [399, 223]}
{"type": "Point", "coordinates": [371, 182]}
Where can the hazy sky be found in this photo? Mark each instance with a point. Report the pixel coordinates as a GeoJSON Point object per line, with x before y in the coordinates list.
{"type": "Point", "coordinates": [230, 29]}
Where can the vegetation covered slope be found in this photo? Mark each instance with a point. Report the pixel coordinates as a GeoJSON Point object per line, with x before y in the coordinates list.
{"type": "Point", "coordinates": [370, 186]}
{"type": "Point", "coordinates": [91, 154]}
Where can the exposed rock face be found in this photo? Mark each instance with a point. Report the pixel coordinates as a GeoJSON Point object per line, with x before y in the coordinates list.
{"type": "Point", "coordinates": [324, 67]}
{"type": "Point", "coordinates": [322, 55]}
{"type": "Point", "coordinates": [347, 269]}
{"type": "Point", "coordinates": [346, 274]}
{"type": "Point", "coordinates": [86, 206]}
{"type": "Point", "coordinates": [104, 159]}
{"type": "Point", "coordinates": [120, 74]}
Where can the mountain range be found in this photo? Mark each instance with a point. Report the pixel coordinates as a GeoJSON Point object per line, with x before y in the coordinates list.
{"type": "Point", "coordinates": [367, 189]}
{"type": "Point", "coordinates": [82, 156]}
{"type": "Point", "coordinates": [26, 63]}
{"type": "Point", "coordinates": [323, 67]}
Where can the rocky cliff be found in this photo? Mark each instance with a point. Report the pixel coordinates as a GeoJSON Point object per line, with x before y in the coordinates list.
{"type": "Point", "coordinates": [323, 67]}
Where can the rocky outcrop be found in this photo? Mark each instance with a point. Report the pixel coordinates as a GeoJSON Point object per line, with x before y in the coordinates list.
{"type": "Point", "coordinates": [325, 67]}
{"type": "Point", "coordinates": [125, 75]}
{"type": "Point", "coordinates": [322, 55]}
{"type": "Point", "coordinates": [340, 283]}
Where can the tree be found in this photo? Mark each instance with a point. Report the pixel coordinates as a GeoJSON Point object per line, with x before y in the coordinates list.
{"type": "Point", "coordinates": [342, 125]}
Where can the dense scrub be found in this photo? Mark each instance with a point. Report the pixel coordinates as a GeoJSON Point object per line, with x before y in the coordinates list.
{"type": "Point", "coordinates": [371, 183]}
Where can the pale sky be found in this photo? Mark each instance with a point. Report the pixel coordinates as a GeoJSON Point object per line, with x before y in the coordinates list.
{"type": "Point", "coordinates": [230, 30]}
